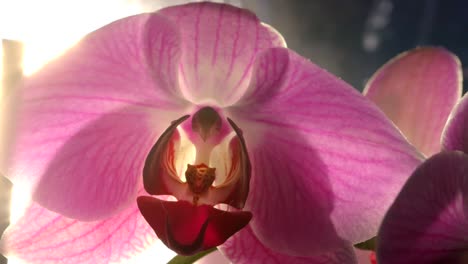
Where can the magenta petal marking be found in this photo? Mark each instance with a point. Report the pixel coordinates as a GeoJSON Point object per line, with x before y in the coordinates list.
{"type": "Point", "coordinates": [245, 247]}
{"type": "Point", "coordinates": [320, 152]}
{"type": "Point", "coordinates": [219, 47]}
{"type": "Point", "coordinates": [87, 120]}
{"type": "Point", "coordinates": [417, 90]}
{"type": "Point", "coordinates": [455, 136]}
{"type": "Point", "coordinates": [44, 237]}
{"type": "Point", "coordinates": [427, 223]}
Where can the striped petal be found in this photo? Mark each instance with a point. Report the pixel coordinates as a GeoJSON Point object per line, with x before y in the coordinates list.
{"type": "Point", "coordinates": [455, 136]}
{"type": "Point", "coordinates": [88, 119]}
{"type": "Point", "coordinates": [219, 44]}
{"type": "Point", "coordinates": [326, 163]}
{"type": "Point", "coordinates": [417, 90]}
{"type": "Point", "coordinates": [245, 247]}
{"type": "Point", "coordinates": [427, 223]}
{"type": "Point", "coordinates": [44, 237]}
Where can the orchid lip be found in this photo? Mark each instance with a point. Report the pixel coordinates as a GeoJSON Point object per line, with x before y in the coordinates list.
{"type": "Point", "coordinates": [188, 229]}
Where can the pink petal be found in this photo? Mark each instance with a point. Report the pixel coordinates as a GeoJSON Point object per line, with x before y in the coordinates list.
{"type": "Point", "coordinates": [427, 223]}
{"type": "Point", "coordinates": [245, 247]}
{"type": "Point", "coordinates": [219, 47]}
{"type": "Point", "coordinates": [455, 136]}
{"type": "Point", "coordinates": [42, 236]}
{"type": "Point", "coordinates": [87, 120]}
{"type": "Point", "coordinates": [326, 163]}
{"type": "Point", "coordinates": [417, 90]}
{"type": "Point", "coordinates": [365, 256]}
{"type": "Point", "coordinates": [214, 257]}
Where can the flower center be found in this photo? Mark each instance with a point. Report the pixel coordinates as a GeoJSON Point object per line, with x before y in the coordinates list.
{"type": "Point", "coordinates": [199, 179]}
{"type": "Point", "coordinates": [217, 173]}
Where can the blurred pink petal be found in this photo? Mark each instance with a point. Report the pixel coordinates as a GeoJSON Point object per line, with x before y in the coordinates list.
{"type": "Point", "coordinates": [219, 44]}
{"type": "Point", "coordinates": [364, 256]}
{"type": "Point", "coordinates": [326, 163]}
{"type": "Point", "coordinates": [214, 257]}
{"type": "Point", "coordinates": [42, 236]}
{"type": "Point", "coordinates": [455, 136]}
{"type": "Point", "coordinates": [244, 247]}
{"type": "Point", "coordinates": [417, 90]}
{"type": "Point", "coordinates": [87, 120]}
{"type": "Point", "coordinates": [427, 223]}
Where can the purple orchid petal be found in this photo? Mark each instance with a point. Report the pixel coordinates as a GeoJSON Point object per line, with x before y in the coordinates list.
{"type": "Point", "coordinates": [44, 237]}
{"type": "Point", "coordinates": [326, 163]}
{"type": "Point", "coordinates": [219, 47]}
{"type": "Point", "coordinates": [455, 136]}
{"type": "Point", "coordinates": [427, 223]}
{"type": "Point", "coordinates": [417, 90]}
{"type": "Point", "coordinates": [87, 120]}
{"type": "Point", "coordinates": [245, 247]}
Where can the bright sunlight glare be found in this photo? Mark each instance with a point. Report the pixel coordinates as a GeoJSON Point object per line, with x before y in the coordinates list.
{"type": "Point", "coordinates": [48, 27]}
{"type": "Point", "coordinates": [157, 253]}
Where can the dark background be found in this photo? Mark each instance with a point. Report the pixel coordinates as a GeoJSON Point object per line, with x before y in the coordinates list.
{"type": "Point", "coordinates": [353, 38]}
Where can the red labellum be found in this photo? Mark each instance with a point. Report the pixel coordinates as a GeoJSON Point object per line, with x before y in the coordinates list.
{"type": "Point", "coordinates": [187, 228]}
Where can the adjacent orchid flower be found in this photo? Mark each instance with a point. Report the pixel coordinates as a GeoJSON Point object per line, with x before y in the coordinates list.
{"type": "Point", "coordinates": [204, 103]}
{"type": "Point", "coordinates": [417, 90]}
{"type": "Point", "coordinates": [428, 221]}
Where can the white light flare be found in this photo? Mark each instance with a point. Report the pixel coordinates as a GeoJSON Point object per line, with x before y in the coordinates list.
{"type": "Point", "coordinates": [47, 28]}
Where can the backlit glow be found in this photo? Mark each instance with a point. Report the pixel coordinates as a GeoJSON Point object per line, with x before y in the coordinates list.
{"type": "Point", "coordinates": [47, 28]}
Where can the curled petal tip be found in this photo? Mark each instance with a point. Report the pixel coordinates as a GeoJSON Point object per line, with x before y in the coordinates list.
{"type": "Point", "coordinates": [455, 135]}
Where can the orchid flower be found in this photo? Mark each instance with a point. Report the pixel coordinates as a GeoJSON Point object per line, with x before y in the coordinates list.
{"type": "Point", "coordinates": [265, 155]}
{"type": "Point", "coordinates": [417, 90]}
{"type": "Point", "coordinates": [427, 223]}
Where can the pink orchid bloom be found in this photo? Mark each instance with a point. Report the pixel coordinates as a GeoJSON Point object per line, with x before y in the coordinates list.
{"type": "Point", "coordinates": [307, 165]}
{"type": "Point", "coordinates": [417, 90]}
{"type": "Point", "coordinates": [427, 223]}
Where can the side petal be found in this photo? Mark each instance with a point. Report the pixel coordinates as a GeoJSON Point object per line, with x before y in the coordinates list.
{"type": "Point", "coordinates": [87, 120]}
{"type": "Point", "coordinates": [219, 47]}
{"type": "Point", "coordinates": [417, 90]}
{"type": "Point", "coordinates": [326, 163]}
{"type": "Point", "coordinates": [427, 223]}
{"type": "Point", "coordinates": [44, 237]}
{"type": "Point", "coordinates": [455, 135]}
{"type": "Point", "coordinates": [245, 247]}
